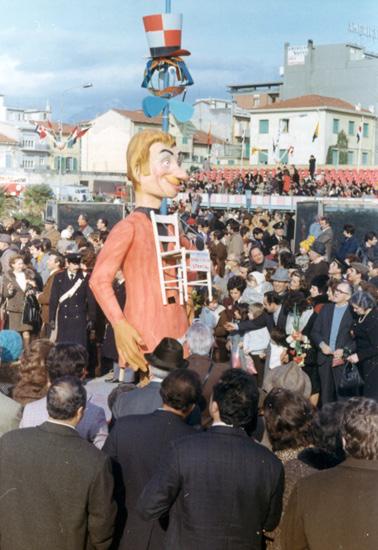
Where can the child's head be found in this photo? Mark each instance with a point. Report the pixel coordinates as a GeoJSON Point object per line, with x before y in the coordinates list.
{"type": "Point", "coordinates": [216, 299]}
{"type": "Point", "coordinates": [278, 337]}
{"type": "Point", "coordinates": [255, 310]}
{"type": "Point", "coordinates": [251, 280]}
{"type": "Point", "coordinates": [241, 312]}
{"type": "Point", "coordinates": [254, 278]}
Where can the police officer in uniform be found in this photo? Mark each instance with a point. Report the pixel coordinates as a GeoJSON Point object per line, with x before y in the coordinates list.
{"type": "Point", "coordinates": [72, 309]}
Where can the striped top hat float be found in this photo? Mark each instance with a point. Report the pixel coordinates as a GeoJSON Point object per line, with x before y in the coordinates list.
{"type": "Point", "coordinates": [164, 32]}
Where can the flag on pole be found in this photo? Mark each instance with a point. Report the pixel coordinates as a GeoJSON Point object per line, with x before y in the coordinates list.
{"type": "Point", "coordinates": [316, 132]}
{"type": "Point", "coordinates": [255, 150]}
{"type": "Point", "coordinates": [359, 133]}
{"type": "Point", "coordinates": [209, 138]}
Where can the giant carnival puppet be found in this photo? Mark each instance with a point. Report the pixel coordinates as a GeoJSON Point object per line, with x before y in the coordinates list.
{"type": "Point", "coordinates": [153, 168]}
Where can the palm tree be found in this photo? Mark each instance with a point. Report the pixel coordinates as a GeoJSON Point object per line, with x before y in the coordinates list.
{"type": "Point", "coordinates": [8, 204]}
{"type": "Point", "coordinates": [35, 199]}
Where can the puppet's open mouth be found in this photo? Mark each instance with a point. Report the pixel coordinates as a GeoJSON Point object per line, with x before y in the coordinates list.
{"type": "Point", "coordinates": [173, 180]}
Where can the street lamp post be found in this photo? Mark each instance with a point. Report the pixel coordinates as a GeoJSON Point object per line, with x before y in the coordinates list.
{"type": "Point", "coordinates": [165, 122]}
{"type": "Point", "coordinates": [81, 86]}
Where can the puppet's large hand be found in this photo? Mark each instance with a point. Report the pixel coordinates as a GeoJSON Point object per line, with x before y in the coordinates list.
{"type": "Point", "coordinates": [128, 344]}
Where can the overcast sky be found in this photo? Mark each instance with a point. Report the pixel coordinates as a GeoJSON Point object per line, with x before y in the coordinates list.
{"type": "Point", "coordinates": [47, 46]}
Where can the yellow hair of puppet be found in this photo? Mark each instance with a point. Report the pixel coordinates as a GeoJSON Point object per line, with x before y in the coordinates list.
{"type": "Point", "coordinates": [138, 153]}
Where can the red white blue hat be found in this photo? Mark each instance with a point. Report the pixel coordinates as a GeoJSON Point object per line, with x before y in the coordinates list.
{"type": "Point", "coordinates": [164, 32]}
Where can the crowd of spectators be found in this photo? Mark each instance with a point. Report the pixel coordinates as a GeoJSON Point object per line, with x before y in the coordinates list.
{"type": "Point", "coordinates": [263, 435]}
{"type": "Point", "coordinates": [286, 180]}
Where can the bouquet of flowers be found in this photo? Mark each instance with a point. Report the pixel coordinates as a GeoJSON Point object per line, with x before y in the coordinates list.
{"type": "Point", "coordinates": [298, 342]}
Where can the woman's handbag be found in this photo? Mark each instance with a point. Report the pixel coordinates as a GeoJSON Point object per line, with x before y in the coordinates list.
{"type": "Point", "coordinates": [351, 380]}
{"type": "Point", "coordinates": [31, 314]}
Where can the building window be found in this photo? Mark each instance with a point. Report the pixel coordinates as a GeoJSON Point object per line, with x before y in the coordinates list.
{"type": "Point", "coordinates": [8, 160]}
{"type": "Point", "coordinates": [335, 157]}
{"type": "Point", "coordinates": [184, 140]}
{"type": "Point", "coordinates": [350, 157]}
{"type": "Point", "coordinates": [28, 163]}
{"type": "Point", "coordinates": [284, 125]}
{"type": "Point", "coordinates": [335, 125]}
{"type": "Point", "coordinates": [256, 101]}
{"type": "Point", "coordinates": [365, 130]}
{"type": "Point", "coordinates": [365, 159]}
{"type": "Point", "coordinates": [351, 128]}
{"type": "Point", "coordinates": [263, 156]}
{"type": "Point", "coordinates": [264, 126]}
{"type": "Point", "coordinates": [42, 161]}
{"type": "Point", "coordinates": [284, 156]}
{"type": "Point", "coordinates": [28, 143]}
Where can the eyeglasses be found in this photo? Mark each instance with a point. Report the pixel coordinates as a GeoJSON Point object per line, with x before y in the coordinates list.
{"type": "Point", "coordinates": [341, 291]}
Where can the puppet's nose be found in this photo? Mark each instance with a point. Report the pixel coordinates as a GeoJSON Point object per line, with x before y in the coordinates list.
{"type": "Point", "coordinates": [177, 175]}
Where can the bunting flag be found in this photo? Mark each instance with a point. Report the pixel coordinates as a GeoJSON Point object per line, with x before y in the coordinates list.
{"type": "Point", "coordinates": [316, 133]}
{"type": "Point", "coordinates": [77, 133]}
{"type": "Point", "coordinates": [255, 150]}
{"type": "Point", "coordinates": [41, 131]}
{"type": "Point", "coordinates": [359, 133]}
{"type": "Point", "coordinates": [274, 146]}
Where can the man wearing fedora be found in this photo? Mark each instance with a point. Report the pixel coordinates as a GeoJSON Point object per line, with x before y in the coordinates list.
{"type": "Point", "coordinates": [166, 357]}
{"type": "Point", "coordinates": [280, 281]}
{"type": "Point", "coordinates": [136, 444]}
{"type": "Point", "coordinates": [50, 232]}
{"type": "Point", "coordinates": [318, 264]}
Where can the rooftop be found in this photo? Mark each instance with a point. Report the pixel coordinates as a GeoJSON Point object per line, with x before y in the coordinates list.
{"type": "Point", "coordinates": [8, 140]}
{"type": "Point", "coordinates": [204, 138]}
{"type": "Point", "coordinates": [312, 101]}
{"type": "Point", "coordinates": [139, 117]}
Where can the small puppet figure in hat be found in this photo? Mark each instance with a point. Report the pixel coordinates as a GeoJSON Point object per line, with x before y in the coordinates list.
{"type": "Point", "coordinates": [166, 75]}
{"type": "Point", "coordinates": [153, 168]}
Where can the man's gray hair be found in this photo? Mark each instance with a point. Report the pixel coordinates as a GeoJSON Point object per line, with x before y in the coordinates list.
{"type": "Point", "coordinates": [200, 338]}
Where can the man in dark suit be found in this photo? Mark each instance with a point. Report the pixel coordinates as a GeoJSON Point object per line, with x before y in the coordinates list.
{"type": "Point", "coordinates": [337, 508]}
{"type": "Point", "coordinates": [332, 334]}
{"type": "Point", "coordinates": [273, 304]}
{"type": "Point", "coordinates": [326, 236]}
{"type": "Point", "coordinates": [166, 357]}
{"type": "Point", "coordinates": [135, 445]}
{"type": "Point", "coordinates": [56, 489]}
{"type": "Point", "coordinates": [72, 308]}
{"type": "Point", "coordinates": [200, 340]}
{"type": "Point", "coordinates": [221, 488]}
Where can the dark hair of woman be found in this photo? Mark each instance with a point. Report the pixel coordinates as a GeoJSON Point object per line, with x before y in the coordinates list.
{"type": "Point", "coordinates": [288, 419]}
{"type": "Point", "coordinates": [14, 259]}
{"type": "Point", "coordinates": [243, 311]}
{"type": "Point", "coordinates": [88, 258]}
{"type": "Point", "coordinates": [46, 244]}
{"type": "Point", "coordinates": [327, 431]}
{"type": "Point", "coordinates": [236, 282]}
{"type": "Point", "coordinates": [295, 298]}
{"type": "Point", "coordinates": [32, 384]}
{"type": "Point", "coordinates": [287, 260]}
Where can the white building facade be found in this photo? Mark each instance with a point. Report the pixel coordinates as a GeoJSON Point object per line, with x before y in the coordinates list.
{"type": "Point", "coordinates": [290, 131]}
